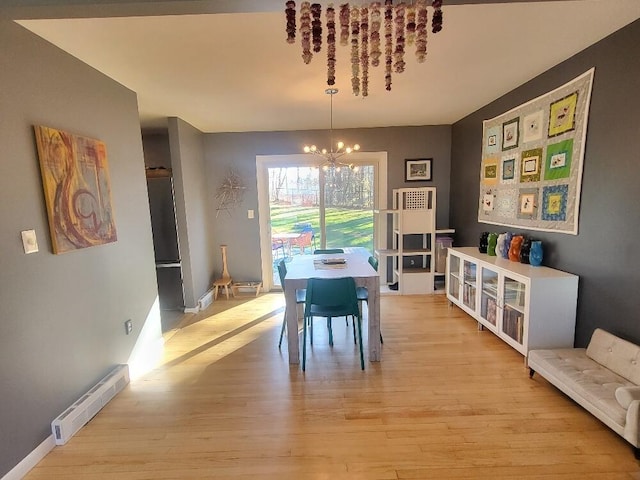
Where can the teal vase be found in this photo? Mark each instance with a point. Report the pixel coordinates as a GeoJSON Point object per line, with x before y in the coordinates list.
{"type": "Point", "coordinates": [535, 254]}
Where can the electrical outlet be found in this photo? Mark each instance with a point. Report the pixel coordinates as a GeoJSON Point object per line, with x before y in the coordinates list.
{"type": "Point", "coordinates": [128, 326]}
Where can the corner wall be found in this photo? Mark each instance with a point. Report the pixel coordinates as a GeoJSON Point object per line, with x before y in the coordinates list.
{"type": "Point", "coordinates": [195, 221]}
{"type": "Point", "coordinates": [604, 253]}
{"type": "Point", "coordinates": [62, 325]}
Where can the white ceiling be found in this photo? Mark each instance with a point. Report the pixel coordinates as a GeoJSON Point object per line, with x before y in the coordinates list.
{"type": "Point", "coordinates": [231, 72]}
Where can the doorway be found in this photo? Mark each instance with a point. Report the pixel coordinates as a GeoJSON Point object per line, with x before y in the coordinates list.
{"type": "Point", "coordinates": [303, 207]}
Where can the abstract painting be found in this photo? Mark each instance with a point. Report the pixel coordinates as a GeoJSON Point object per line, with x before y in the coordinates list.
{"type": "Point", "coordinates": [77, 189]}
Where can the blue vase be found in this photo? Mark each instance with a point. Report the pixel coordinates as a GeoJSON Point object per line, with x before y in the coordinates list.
{"type": "Point", "coordinates": [535, 254]}
{"type": "Point", "coordinates": [507, 244]}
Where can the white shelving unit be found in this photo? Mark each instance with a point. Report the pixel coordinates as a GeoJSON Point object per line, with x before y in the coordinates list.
{"type": "Point", "coordinates": [413, 219]}
{"type": "Point", "coordinates": [528, 307]}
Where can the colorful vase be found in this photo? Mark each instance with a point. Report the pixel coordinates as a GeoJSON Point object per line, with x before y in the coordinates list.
{"type": "Point", "coordinates": [507, 244]}
{"type": "Point", "coordinates": [484, 242]}
{"type": "Point", "coordinates": [535, 254]}
{"type": "Point", "coordinates": [491, 246]}
{"type": "Point", "coordinates": [500, 245]}
{"type": "Point", "coordinates": [524, 250]}
{"type": "Point", "coordinates": [514, 249]}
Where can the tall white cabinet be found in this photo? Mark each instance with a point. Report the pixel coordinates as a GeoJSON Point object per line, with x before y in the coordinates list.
{"type": "Point", "coordinates": [528, 307]}
{"type": "Point", "coordinates": [411, 246]}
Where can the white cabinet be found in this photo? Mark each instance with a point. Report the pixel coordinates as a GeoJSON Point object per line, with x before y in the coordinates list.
{"type": "Point", "coordinates": [410, 248]}
{"type": "Point", "coordinates": [528, 307]}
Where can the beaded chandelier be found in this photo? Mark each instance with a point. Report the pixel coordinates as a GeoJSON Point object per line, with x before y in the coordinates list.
{"type": "Point", "coordinates": [368, 29]}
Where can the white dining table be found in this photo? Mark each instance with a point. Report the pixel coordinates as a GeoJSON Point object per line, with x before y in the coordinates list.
{"type": "Point", "coordinates": [356, 265]}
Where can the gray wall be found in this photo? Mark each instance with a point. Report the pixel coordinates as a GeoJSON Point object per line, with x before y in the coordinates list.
{"type": "Point", "coordinates": [195, 219]}
{"type": "Point", "coordinates": [603, 254]}
{"type": "Point", "coordinates": [239, 150]}
{"type": "Point", "coordinates": [62, 325]}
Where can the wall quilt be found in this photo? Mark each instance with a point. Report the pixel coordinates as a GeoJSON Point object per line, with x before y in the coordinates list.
{"type": "Point", "coordinates": [532, 159]}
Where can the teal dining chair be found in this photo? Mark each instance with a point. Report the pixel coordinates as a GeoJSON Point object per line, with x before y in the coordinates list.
{"type": "Point", "coordinates": [301, 294]}
{"type": "Point", "coordinates": [363, 294]}
{"type": "Point", "coordinates": [330, 297]}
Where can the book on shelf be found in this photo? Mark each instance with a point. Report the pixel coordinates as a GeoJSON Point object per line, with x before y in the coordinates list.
{"type": "Point", "coordinates": [513, 324]}
{"type": "Point", "coordinates": [491, 310]}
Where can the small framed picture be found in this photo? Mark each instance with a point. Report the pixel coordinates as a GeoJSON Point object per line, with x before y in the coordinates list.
{"type": "Point", "coordinates": [510, 134]}
{"type": "Point", "coordinates": [417, 169]}
{"type": "Point", "coordinates": [562, 115]}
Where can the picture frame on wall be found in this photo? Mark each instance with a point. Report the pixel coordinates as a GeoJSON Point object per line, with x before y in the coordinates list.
{"type": "Point", "coordinates": [510, 134]}
{"type": "Point", "coordinates": [418, 169]}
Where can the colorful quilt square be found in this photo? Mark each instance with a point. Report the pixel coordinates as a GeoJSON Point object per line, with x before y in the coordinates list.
{"type": "Point", "coordinates": [492, 140]}
{"type": "Point", "coordinates": [505, 203]}
{"type": "Point", "coordinates": [530, 165]}
{"type": "Point", "coordinates": [558, 160]}
{"type": "Point", "coordinates": [532, 127]}
{"type": "Point", "coordinates": [562, 115]}
{"type": "Point", "coordinates": [488, 201]}
{"type": "Point", "coordinates": [511, 134]}
{"type": "Point", "coordinates": [508, 169]}
{"type": "Point", "coordinates": [528, 203]}
{"type": "Point", "coordinates": [554, 203]}
{"type": "Point", "coordinates": [490, 171]}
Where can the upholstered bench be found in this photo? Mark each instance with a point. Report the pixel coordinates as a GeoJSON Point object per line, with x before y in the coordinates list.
{"type": "Point", "coordinates": [603, 378]}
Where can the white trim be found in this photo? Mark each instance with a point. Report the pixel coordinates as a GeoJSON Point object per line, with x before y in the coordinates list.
{"type": "Point", "coordinates": [31, 460]}
{"type": "Point", "coordinates": [195, 309]}
{"type": "Point", "coordinates": [205, 300]}
{"type": "Point", "coordinates": [264, 162]}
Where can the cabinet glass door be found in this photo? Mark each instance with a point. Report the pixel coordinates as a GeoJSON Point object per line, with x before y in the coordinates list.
{"type": "Point", "coordinates": [513, 295]}
{"type": "Point", "coordinates": [469, 287]}
{"type": "Point", "coordinates": [489, 296]}
{"type": "Point", "coordinates": [453, 281]}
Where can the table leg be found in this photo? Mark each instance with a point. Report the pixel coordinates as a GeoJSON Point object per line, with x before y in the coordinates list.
{"type": "Point", "coordinates": [291, 316]}
{"type": "Point", "coordinates": [373, 306]}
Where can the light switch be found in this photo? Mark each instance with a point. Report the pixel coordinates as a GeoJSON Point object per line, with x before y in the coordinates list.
{"type": "Point", "coordinates": [29, 241]}
{"type": "Point", "coordinates": [250, 214]}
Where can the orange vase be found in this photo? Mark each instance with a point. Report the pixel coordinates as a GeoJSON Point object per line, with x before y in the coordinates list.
{"type": "Point", "coordinates": [514, 249]}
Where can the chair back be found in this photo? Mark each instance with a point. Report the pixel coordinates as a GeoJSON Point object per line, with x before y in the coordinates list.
{"type": "Point", "coordinates": [373, 261]}
{"type": "Point", "coordinates": [305, 239]}
{"type": "Point", "coordinates": [328, 250]}
{"type": "Point", "coordinates": [338, 294]}
{"type": "Point", "coordinates": [282, 272]}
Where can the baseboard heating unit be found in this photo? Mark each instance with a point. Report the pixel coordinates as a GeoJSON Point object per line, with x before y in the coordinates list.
{"type": "Point", "coordinates": [88, 405]}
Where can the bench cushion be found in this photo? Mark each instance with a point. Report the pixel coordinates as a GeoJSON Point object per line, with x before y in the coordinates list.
{"type": "Point", "coordinates": [617, 355]}
{"type": "Point", "coordinates": [582, 376]}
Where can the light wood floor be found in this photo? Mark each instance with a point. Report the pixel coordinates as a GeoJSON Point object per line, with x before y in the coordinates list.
{"type": "Point", "coordinates": [446, 402]}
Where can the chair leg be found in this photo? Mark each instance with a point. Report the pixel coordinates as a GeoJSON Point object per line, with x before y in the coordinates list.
{"type": "Point", "coordinates": [354, 329]}
{"type": "Point", "coordinates": [360, 338]}
{"type": "Point", "coordinates": [284, 325]}
{"type": "Point", "coordinates": [330, 331]}
{"type": "Point", "coordinates": [304, 344]}
{"type": "Point", "coordinates": [311, 330]}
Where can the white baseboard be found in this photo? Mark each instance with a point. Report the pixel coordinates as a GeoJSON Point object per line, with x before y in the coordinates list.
{"type": "Point", "coordinates": [31, 460]}
{"type": "Point", "coordinates": [206, 300]}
